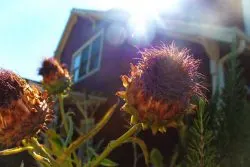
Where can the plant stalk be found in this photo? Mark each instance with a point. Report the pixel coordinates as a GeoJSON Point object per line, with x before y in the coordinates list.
{"type": "Point", "coordinates": [83, 138]}
{"type": "Point", "coordinates": [41, 149]}
{"type": "Point", "coordinates": [45, 158]}
{"type": "Point", "coordinates": [41, 159]}
{"type": "Point", "coordinates": [142, 145]}
{"type": "Point", "coordinates": [116, 143]}
{"type": "Point", "coordinates": [15, 150]}
{"type": "Point", "coordinates": [61, 104]}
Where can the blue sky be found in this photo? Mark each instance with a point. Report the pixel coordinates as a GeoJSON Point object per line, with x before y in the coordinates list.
{"type": "Point", "coordinates": [30, 31]}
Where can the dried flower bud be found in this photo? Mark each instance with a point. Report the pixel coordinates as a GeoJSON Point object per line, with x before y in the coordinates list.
{"type": "Point", "coordinates": [56, 78]}
{"type": "Point", "coordinates": [24, 110]}
{"type": "Point", "coordinates": [160, 86]}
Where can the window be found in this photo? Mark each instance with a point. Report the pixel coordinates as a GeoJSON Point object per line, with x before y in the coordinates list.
{"type": "Point", "coordinates": [86, 61]}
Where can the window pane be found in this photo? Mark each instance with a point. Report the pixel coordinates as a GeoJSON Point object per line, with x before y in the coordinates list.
{"type": "Point", "coordinates": [95, 54]}
{"type": "Point", "coordinates": [84, 61]}
{"type": "Point", "coordinates": [76, 74]}
{"type": "Point", "coordinates": [77, 61]}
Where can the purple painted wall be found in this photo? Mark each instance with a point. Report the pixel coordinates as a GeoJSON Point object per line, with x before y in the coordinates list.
{"type": "Point", "coordinates": [115, 62]}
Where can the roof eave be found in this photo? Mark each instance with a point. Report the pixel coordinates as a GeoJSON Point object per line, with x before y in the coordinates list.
{"type": "Point", "coordinates": [188, 31]}
{"type": "Point", "coordinates": [64, 37]}
{"type": "Point", "coordinates": [218, 33]}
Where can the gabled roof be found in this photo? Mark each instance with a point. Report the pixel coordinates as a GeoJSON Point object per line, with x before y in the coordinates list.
{"type": "Point", "coordinates": [91, 13]}
{"type": "Point", "coordinates": [182, 28]}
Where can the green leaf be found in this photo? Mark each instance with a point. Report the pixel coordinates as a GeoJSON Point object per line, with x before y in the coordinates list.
{"type": "Point", "coordinates": [71, 130]}
{"type": "Point", "coordinates": [55, 141]}
{"type": "Point", "coordinates": [92, 151]}
{"type": "Point", "coordinates": [98, 145]}
{"type": "Point", "coordinates": [156, 158]}
{"type": "Point", "coordinates": [77, 161]}
{"type": "Point", "coordinates": [107, 162]}
{"type": "Point", "coordinates": [84, 138]}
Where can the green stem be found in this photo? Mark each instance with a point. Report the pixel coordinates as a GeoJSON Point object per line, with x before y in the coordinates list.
{"type": "Point", "coordinates": [41, 149]}
{"type": "Point", "coordinates": [143, 147]}
{"type": "Point", "coordinates": [61, 104]}
{"type": "Point", "coordinates": [15, 150]}
{"type": "Point", "coordinates": [135, 155]}
{"type": "Point", "coordinates": [113, 144]}
{"type": "Point", "coordinates": [182, 130]}
{"type": "Point", "coordinates": [174, 157]}
{"type": "Point", "coordinates": [45, 158]}
{"type": "Point", "coordinates": [83, 138]}
{"type": "Point", "coordinates": [41, 159]}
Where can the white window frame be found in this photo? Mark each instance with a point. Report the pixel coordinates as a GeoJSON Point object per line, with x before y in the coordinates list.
{"type": "Point", "coordinates": [85, 45]}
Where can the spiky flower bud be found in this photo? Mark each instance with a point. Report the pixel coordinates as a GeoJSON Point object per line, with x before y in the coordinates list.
{"type": "Point", "coordinates": [160, 86]}
{"type": "Point", "coordinates": [24, 110]}
{"type": "Point", "coordinates": [56, 78]}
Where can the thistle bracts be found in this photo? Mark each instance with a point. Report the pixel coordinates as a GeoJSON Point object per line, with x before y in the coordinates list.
{"type": "Point", "coordinates": [56, 78]}
{"type": "Point", "coordinates": [24, 109]}
{"type": "Point", "coordinates": [160, 86]}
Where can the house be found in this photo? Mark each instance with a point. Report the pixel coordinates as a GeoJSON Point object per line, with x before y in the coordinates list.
{"type": "Point", "coordinates": [98, 46]}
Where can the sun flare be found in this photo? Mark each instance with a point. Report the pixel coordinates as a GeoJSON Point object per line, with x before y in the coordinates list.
{"type": "Point", "coordinates": [143, 13]}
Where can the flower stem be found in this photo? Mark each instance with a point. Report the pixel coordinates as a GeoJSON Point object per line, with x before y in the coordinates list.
{"type": "Point", "coordinates": [135, 154]}
{"type": "Point", "coordinates": [113, 144]}
{"type": "Point", "coordinates": [174, 157]}
{"type": "Point", "coordinates": [40, 159]}
{"type": "Point", "coordinates": [45, 158]}
{"type": "Point", "coordinates": [61, 104]}
{"type": "Point", "coordinates": [41, 149]}
{"type": "Point", "coordinates": [182, 130]}
{"type": "Point", "coordinates": [83, 138]}
{"type": "Point", "coordinates": [143, 147]}
{"type": "Point", "coordinates": [15, 150]}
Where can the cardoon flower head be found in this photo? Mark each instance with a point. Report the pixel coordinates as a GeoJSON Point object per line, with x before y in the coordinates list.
{"type": "Point", "coordinates": [160, 86]}
{"type": "Point", "coordinates": [24, 110]}
{"type": "Point", "coordinates": [56, 78]}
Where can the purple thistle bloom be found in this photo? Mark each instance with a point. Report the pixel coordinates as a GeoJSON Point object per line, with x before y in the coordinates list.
{"type": "Point", "coordinates": [169, 74]}
{"type": "Point", "coordinates": [161, 85]}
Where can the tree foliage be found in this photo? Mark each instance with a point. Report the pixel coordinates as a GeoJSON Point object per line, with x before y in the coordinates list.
{"type": "Point", "coordinates": [229, 115]}
{"type": "Point", "coordinates": [200, 152]}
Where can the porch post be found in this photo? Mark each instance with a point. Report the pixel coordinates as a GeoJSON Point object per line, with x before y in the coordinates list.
{"type": "Point", "coordinates": [246, 15]}
{"type": "Point", "coordinates": [216, 70]}
{"type": "Point", "coordinates": [221, 76]}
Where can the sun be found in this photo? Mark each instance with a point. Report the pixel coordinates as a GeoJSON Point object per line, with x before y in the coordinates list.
{"type": "Point", "coordinates": [144, 12]}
